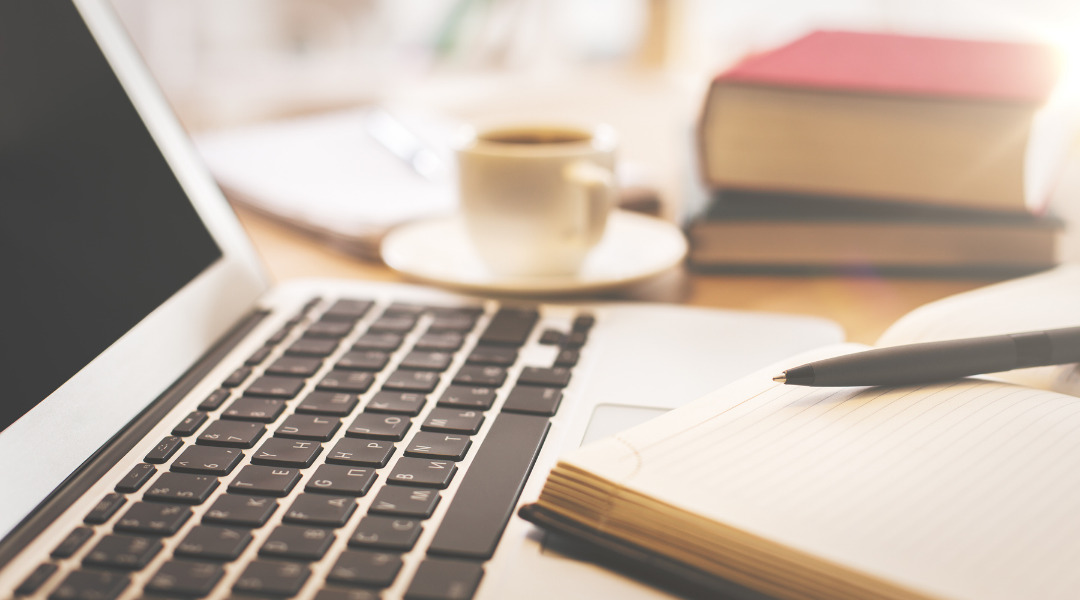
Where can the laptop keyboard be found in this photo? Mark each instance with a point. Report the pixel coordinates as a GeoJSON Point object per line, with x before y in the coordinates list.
{"type": "Point", "coordinates": [326, 456]}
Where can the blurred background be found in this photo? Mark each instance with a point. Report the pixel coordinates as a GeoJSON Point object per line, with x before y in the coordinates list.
{"type": "Point", "coordinates": [225, 61]}
{"type": "Point", "coordinates": [642, 65]}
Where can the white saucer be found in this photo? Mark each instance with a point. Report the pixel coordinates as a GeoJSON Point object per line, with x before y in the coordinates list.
{"type": "Point", "coordinates": [634, 248]}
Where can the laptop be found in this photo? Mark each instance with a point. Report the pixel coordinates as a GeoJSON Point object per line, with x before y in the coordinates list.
{"type": "Point", "coordinates": [172, 425]}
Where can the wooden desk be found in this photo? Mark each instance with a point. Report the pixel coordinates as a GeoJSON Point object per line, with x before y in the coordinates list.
{"type": "Point", "coordinates": [863, 306]}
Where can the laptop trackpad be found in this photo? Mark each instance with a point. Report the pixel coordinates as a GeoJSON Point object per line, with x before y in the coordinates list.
{"type": "Point", "coordinates": [609, 419]}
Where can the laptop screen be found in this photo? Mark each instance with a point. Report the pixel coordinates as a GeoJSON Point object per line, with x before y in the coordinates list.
{"type": "Point", "coordinates": [95, 230]}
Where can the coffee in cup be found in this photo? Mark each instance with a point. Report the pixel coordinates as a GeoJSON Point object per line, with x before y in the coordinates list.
{"type": "Point", "coordinates": [536, 198]}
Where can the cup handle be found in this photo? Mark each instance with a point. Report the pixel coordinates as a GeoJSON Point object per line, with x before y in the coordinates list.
{"type": "Point", "coordinates": [598, 185]}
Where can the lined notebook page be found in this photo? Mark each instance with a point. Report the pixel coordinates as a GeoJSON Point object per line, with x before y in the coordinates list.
{"type": "Point", "coordinates": [966, 490]}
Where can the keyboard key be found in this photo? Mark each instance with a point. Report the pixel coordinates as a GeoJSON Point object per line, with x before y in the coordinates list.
{"type": "Point", "coordinates": [207, 460]}
{"type": "Point", "coordinates": [232, 434]}
{"type": "Point", "coordinates": [380, 427]}
{"type": "Point", "coordinates": [428, 444]}
{"type": "Point", "coordinates": [341, 594]}
{"type": "Point", "coordinates": [264, 481]}
{"type": "Point", "coordinates": [236, 509]}
{"type": "Point", "coordinates": [445, 579]}
{"type": "Point", "coordinates": [36, 579]}
{"type": "Point", "coordinates": [402, 403]}
{"type": "Point", "coordinates": [329, 328]}
{"type": "Point", "coordinates": [366, 568]}
{"type": "Point", "coordinates": [185, 578]}
{"type": "Point", "coordinates": [104, 509]}
{"type": "Point", "coordinates": [213, 543]}
{"type": "Point", "coordinates": [533, 400]}
{"type": "Point", "coordinates": [485, 500]}
{"type": "Point", "coordinates": [297, 542]}
{"type": "Point", "coordinates": [299, 366]}
{"type": "Point", "coordinates": [427, 361]}
{"type": "Point", "coordinates": [444, 341]}
{"type": "Point", "coordinates": [181, 487]}
{"type": "Point", "coordinates": [154, 518]}
{"type": "Point", "coordinates": [280, 335]}
{"type": "Point", "coordinates": [71, 544]}
{"type": "Point", "coordinates": [576, 339]}
{"type": "Point", "coordinates": [473, 311]}
{"type": "Point", "coordinates": [552, 337]}
{"type": "Point", "coordinates": [423, 472]}
{"type": "Point", "coordinates": [319, 509]}
{"type": "Point", "coordinates": [460, 322]}
{"type": "Point", "coordinates": [281, 452]}
{"type": "Point", "coordinates": [190, 424]}
{"type": "Point", "coordinates": [347, 309]}
{"type": "Point", "coordinates": [263, 410]}
{"type": "Point", "coordinates": [120, 551]}
{"type": "Point", "coordinates": [359, 452]}
{"type": "Point", "coordinates": [259, 356]}
{"type": "Point", "coordinates": [340, 380]}
{"type": "Point", "coordinates": [459, 396]}
{"type": "Point", "coordinates": [407, 308]}
{"type": "Point", "coordinates": [396, 403]}
{"type": "Point", "coordinates": [341, 479]}
{"type": "Point", "coordinates": [135, 478]}
{"type": "Point", "coordinates": [363, 360]}
{"type": "Point", "coordinates": [545, 376]}
{"type": "Point", "coordinates": [392, 533]}
{"type": "Point", "coordinates": [567, 357]}
{"type": "Point", "coordinates": [303, 312]}
{"type": "Point", "coordinates": [272, 578]}
{"type": "Point", "coordinates": [583, 322]}
{"type": "Point", "coordinates": [275, 386]}
{"type": "Point", "coordinates": [500, 356]}
{"type": "Point", "coordinates": [328, 403]}
{"type": "Point", "coordinates": [510, 327]}
{"type": "Point", "coordinates": [310, 346]}
{"type": "Point", "coordinates": [402, 501]}
{"type": "Point", "coordinates": [452, 420]}
{"type": "Point", "coordinates": [308, 427]}
{"type": "Point", "coordinates": [214, 400]}
{"type": "Point", "coordinates": [237, 377]}
{"type": "Point", "coordinates": [394, 323]}
{"type": "Point", "coordinates": [481, 375]}
{"type": "Point", "coordinates": [165, 448]}
{"type": "Point", "coordinates": [404, 380]}
{"type": "Point", "coordinates": [387, 342]}
{"type": "Point", "coordinates": [90, 585]}
{"type": "Point", "coordinates": [308, 307]}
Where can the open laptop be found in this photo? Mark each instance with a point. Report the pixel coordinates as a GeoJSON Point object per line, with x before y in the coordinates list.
{"type": "Point", "coordinates": [173, 426]}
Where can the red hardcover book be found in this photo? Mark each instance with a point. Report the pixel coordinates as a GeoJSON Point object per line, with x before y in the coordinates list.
{"type": "Point", "coordinates": [882, 63]}
{"type": "Point", "coordinates": [880, 116]}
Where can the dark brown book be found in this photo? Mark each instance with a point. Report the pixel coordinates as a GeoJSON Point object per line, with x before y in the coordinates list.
{"type": "Point", "coordinates": [744, 231]}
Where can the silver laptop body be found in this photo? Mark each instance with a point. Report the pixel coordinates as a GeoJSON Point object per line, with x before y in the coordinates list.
{"type": "Point", "coordinates": [131, 281]}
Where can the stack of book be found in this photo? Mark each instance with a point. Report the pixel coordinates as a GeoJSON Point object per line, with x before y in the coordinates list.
{"type": "Point", "coordinates": [880, 152]}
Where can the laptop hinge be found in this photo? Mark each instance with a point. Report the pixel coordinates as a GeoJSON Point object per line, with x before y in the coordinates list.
{"type": "Point", "coordinates": [113, 451]}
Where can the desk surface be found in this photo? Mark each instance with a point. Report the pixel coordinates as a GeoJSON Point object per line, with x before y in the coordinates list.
{"type": "Point", "coordinates": [864, 306]}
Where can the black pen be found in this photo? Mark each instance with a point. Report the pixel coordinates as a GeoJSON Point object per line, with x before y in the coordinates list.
{"type": "Point", "coordinates": [940, 361]}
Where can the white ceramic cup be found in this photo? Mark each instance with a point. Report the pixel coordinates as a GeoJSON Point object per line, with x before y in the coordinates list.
{"type": "Point", "coordinates": [536, 197]}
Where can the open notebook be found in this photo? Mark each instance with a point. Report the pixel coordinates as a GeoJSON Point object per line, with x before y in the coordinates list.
{"type": "Point", "coordinates": [964, 489]}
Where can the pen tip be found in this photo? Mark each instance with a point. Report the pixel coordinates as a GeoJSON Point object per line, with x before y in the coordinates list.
{"type": "Point", "coordinates": [781, 378]}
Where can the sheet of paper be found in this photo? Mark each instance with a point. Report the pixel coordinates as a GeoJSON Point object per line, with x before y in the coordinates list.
{"type": "Point", "coordinates": [966, 489]}
{"type": "Point", "coordinates": [329, 174]}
